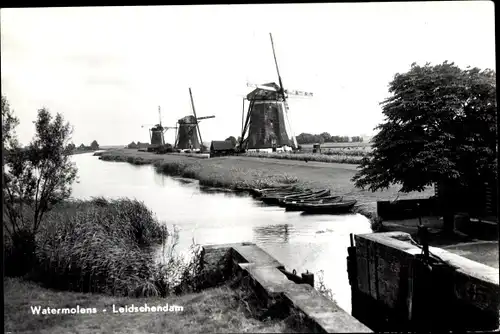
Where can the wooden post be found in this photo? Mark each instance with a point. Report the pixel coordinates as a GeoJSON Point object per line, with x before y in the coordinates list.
{"type": "Point", "coordinates": [308, 278]}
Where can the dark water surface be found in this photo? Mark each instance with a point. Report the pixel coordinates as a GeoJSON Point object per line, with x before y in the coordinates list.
{"type": "Point", "coordinates": [314, 242]}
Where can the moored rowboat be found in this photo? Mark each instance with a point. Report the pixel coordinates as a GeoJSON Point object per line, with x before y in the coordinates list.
{"type": "Point", "coordinates": [299, 205]}
{"type": "Point", "coordinates": [316, 195]}
{"type": "Point", "coordinates": [328, 208]}
{"type": "Point", "coordinates": [276, 198]}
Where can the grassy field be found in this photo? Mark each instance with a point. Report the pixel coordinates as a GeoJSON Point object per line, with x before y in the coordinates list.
{"type": "Point", "coordinates": [338, 145]}
{"type": "Point", "coordinates": [341, 157]}
{"type": "Point", "coordinates": [222, 310]}
{"type": "Point", "coordinates": [234, 171]}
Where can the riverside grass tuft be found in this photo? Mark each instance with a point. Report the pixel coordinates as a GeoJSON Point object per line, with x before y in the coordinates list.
{"type": "Point", "coordinates": [106, 246]}
{"type": "Point", "coordinates": [341, 157]}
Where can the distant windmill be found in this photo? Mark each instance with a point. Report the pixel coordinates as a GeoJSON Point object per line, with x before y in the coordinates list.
{"type": "Point", "coordinates": [156, 132]}
{"type": "Point", "coordinates": [267, 124]}
{"type": "Point", "coordinates": [188, 133]}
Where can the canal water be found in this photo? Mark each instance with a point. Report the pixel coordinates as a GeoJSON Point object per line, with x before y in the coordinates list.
{"type": "Point", "coordinates": [314, 242]}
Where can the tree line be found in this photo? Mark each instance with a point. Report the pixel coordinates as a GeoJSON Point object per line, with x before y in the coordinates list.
{"type": "Point", "coordinates": [325, 137]}
{"type": "Point", "coordinates": [93, 146]}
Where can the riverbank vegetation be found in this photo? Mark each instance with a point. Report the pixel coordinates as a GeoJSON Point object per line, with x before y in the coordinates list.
{"type": "Point", "coordinates": [101, 246]}
{"type": "Point", "coordinates": [335, 156]}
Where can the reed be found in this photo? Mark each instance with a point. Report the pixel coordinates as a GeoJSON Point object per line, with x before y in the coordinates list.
{"type": "Point", "coordinates": [105, 246]}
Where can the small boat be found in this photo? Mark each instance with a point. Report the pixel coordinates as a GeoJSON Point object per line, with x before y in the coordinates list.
{"type": "Point", "coordinates": [260, 192]}
{"type": "Point", "coordinates": [319, 199]}
{"type": "Point", "coordinates": [276, 198]}
{"type": "Point", "coordinates": [316, 195]}
{"type": "Point", "coordinates": [299, 205]}
{"type": "Point", "coordinates": [328, 208]}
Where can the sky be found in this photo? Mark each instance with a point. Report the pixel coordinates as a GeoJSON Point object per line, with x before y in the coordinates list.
{"type": "Point", "coordinates": [107, 69]}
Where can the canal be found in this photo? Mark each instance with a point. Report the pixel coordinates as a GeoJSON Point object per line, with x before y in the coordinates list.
{"type": "Point", "coordinates": [314, 242]}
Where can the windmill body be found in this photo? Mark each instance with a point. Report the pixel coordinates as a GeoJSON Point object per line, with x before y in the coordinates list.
{"type": "Point", "coordinates": [157, 137]}
{"type": "Point", "coordinates": [187, 135]}
{"type": "Point", "coordinates": [266, 126]}
{"type": "Point", "coordinates": [156, 134]}
{"type": "Point", "coordinates": [188, 130]}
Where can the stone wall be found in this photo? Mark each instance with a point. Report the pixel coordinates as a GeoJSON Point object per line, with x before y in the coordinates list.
{"type": "Point", "coordinates": [388, 276]}
{"type": "Point", "coordinates": [279, 295]}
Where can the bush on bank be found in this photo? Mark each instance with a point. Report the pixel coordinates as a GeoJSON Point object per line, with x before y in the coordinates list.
{"type": "Point", "coordinates": [105, 246]}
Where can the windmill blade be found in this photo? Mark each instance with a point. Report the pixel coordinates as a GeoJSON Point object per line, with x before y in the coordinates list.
{"type": "Point", "coordinates": [298, 93]}
{"type": "Point", "coordinates": [204, 117]}
{"type": "Point", "coordinates": [271, 89]}
{"type": "Point", "coordinates": [277, 69]}
{"type": "Point", "coordinates": [196, 118]}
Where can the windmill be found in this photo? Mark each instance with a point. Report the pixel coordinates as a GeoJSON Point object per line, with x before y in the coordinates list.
{"type": "Point", "coordinates": [267, 124]}
{"type": "Point", "coordinates": [156, 132]}
{"type": "Point", "coordinates": [188, 133]}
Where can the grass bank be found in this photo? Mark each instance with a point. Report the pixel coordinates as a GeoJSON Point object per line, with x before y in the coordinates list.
{"type": "Point", "coordinates": [221, 309]}
{"type": "Point", "coordinates": [242, 171]}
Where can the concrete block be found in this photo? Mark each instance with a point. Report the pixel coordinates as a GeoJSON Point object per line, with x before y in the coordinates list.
{"type": "Point", "coordinates": [272, 281]}
{"type": "Point", "coordinates": [324, 313]}
{"type": "Point", "coordinates": [384, 260]}
{"type": "Point", "coordinates": [250, 253]}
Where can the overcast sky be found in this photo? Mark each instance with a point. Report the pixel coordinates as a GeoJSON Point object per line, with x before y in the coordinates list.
{"type": "Point", "coordinates": [107, 69]}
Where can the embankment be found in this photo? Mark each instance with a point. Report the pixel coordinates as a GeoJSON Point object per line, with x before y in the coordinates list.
{"type": "Point", "coordinates": [240, 171]}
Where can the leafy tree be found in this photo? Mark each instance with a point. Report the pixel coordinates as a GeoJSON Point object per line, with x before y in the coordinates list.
{"type": "Point", "coordinates": [36, 177]}
{"type": "Point", "coordinates": [440, 127]}
{"type": "Point", "coordinates": [9, 123]}
{"type": "Point", "coordinates": [326, 137]}
{"type": "Point", "coordinates": [232, 140]}
{"type": "Point", "coordinates": [94, 145]}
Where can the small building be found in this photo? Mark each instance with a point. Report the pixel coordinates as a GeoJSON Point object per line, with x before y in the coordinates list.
{"type": "Point", "coordinates": [221, 147]}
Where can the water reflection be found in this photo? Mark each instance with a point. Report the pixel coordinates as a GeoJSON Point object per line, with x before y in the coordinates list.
{"type": "Point", "coordinates": [276, 233]}
{"type": "Point", "coordinates": [159, 179]}
{"type": "Point", "coordinates": [314, 242]}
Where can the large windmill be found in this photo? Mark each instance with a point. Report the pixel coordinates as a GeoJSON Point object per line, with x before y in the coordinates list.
{"type": "Point", "coordinates": [188, 130]}
{"type": "Point", "coordinates": [267, 125]}
{"type": "Point", "coordinates": [156, 133]}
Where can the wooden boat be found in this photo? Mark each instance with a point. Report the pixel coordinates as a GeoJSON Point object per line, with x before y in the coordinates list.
{"type": "Point", "coordinates": [317, 199]}
{"type": "Point", "coordinates": [276, 198]}
{"type": "Point", "coordinates": [328, 208]}
{"type": "Point", "coordinates": [260, 192]}
{"type": "Point", "coordinates": [316, 195]}
{"type": "Point", "coordinates": [299, 205]}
